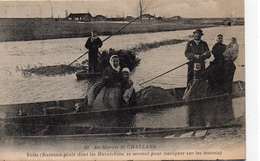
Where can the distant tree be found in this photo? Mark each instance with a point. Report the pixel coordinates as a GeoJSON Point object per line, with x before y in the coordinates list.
{"type": "Point", "coordinates": [143, 6]}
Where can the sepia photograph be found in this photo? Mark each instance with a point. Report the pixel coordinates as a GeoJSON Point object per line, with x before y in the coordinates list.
{"type": "Point", "coordinates": [122, 80]}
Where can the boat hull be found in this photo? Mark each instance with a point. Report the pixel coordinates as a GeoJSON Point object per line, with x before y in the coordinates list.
{"type": "Point", "coordinates": [81, 75]}
{"type": "Point", "coordinates": [42, 131]}
{"type": "Point", "coordinates": [36, 112]}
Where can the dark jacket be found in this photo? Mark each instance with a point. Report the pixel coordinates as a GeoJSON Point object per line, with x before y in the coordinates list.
{"type": "Point", "coordinates": [111, 78]}
{"type": "Point", "coordinates": [93, 46]}
{"type": "Point", "coordinates": [193, 49]}
{"type": "Point", "coordinates": [217, 51]}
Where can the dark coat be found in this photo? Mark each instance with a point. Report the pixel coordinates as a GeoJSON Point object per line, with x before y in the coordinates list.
{"type": "Point", "coordinates": [217, 51]}
{"type": "Point", "coordinates": [111, 78]}
{"type": "Point", "coordinates": [193, 49]}
{"type": "Point", "coordinates": [93, 47]}
{"type": "Point", "coordinates": [215, 70]}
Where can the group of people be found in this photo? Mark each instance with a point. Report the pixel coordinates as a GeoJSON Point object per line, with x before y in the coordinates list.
{"type": "Point", "coordinates": [218, 76]}
{"type": "Point", "coordinates": [116, 89]}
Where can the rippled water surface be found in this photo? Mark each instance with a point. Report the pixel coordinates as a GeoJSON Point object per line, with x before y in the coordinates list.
{"type": "Point", "coordinates": [16, 88]}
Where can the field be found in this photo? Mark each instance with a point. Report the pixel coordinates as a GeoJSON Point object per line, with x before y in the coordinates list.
{"type": "Point", "coordinates": [38, 29]}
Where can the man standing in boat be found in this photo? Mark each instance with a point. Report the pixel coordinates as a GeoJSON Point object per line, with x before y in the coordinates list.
{"type": "Point", "coordinates": [93, 43]}
{"type": "Point", "coordinates": [197, 51]}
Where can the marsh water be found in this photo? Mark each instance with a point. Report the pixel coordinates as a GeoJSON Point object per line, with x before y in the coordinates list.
{"type": "Point", "coordinates": [18, 88]}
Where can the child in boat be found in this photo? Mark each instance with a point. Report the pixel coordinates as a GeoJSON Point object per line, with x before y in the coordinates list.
{"type": "Point", "coordinates": [231, 52]}
{"type": "Point", "coordinates": [198, 86]}
{"type": "Point", "coordinates": [128, 92]}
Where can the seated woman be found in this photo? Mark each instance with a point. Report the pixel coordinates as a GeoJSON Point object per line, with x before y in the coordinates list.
{"type": "Point", "coordinates": [128, 92]}
{"type": "Point", "coordinates": [108, 91]}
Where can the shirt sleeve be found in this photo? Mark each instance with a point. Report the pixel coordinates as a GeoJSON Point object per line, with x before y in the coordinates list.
{"type": "Point", "coordinates": [100, 43]}
{"type": "Point", "coordinates": [235, 52]}
{"type": "Point", "coordinates": [208, 55]}
{"type": "Point", "coordinates": [214, 52]}
{"type": "Point", "coordinates": [88, 45]}
{"type": "Point", "coordinates": [128, 93]}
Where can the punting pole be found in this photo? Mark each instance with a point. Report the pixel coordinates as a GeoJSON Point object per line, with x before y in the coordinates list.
{"type": "Point", "coordinates": [121, 28]}
{"type": "Point", "coordinates": [103, 41]}
{"type": "Point", "coordinates": [74, 61]}
{"type": "Point", "coordinates": [164, 73]}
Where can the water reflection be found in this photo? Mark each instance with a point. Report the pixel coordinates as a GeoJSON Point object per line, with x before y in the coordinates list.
{"type": "Point", "coordinates": [211, 112]}
{"type": "Point", "coordinates": [217, 111]}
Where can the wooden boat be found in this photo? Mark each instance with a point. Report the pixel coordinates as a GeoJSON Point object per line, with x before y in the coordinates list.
{"type": "Point", "coordinates": [83, 74]}
{"type": "Point", "coordinates": [63, 111]}
{"type": "Point", "coordinates": [41, 131]}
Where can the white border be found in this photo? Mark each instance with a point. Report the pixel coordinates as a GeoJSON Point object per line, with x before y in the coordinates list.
{"type": "Point", "coordinates": [252, 72]}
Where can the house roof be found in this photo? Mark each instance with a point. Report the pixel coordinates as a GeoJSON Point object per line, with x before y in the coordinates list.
{"type": "Point", "coordinates": [148, 15]}
{"type": "Point", "coordinates": [79, 14]}
{"type": "Point", "coordinates": [100, 16]}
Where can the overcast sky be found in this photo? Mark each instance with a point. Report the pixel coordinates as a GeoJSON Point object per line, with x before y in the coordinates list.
{"type": "Point", "coordinates": [118, 8]}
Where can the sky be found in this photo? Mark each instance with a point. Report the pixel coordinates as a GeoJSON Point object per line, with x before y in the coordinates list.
{"type": "Point", "coordinates": [120, 8]}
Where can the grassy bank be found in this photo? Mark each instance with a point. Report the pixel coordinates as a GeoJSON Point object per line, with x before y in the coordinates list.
{"type": "Point", "coordinates": [38, 29]}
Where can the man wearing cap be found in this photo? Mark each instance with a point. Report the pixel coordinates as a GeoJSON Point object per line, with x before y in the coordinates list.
{"type": "Point", "coordinates": [197, 51]}
{"type": "Point", "coordinates": [93, 43]}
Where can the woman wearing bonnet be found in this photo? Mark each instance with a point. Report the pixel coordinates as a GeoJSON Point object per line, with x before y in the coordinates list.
{"type": "Point", "coordinates": [216, 67]}
{"type": "Point", "coordinates": [108, 92]}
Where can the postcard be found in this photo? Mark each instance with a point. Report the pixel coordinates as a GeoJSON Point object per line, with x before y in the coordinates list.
{"type": "Point", "coordinates": [123, 80]}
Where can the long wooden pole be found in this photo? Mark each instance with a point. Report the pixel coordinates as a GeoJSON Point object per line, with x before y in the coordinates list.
{"type": "Point", "coordinates": [164, 73]}
{"type": "Point", "coordinates": [121, 28]}
{"type": "Point", "coordinates": [74, 61]}
{"type": "Point", "coordinates": [103, 41]}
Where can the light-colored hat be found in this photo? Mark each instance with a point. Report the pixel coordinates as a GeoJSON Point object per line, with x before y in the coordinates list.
{"type": "Point", "coordinates": [126, 70]}
{"type": "Point", "coordinates": [218, 35]}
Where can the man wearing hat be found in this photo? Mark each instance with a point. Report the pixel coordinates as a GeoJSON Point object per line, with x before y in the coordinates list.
{"type": "Point", "coordinates": [93, 43]}
{"type": "Point", "coordinates": [197, 51]}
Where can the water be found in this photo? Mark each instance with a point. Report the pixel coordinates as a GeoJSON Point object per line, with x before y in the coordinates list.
{"type": "Point", "coordinates": [19, 89]}
{"type": "Point", "coordinates": [214, 112]}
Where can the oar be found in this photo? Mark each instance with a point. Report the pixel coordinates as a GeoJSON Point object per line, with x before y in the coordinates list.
{"type": "Point", "coordinates": [103, 41]}
{"type": "Point", "coordinates": [164, 73]}
{"type": "Point", "coordinates": [74, 61]}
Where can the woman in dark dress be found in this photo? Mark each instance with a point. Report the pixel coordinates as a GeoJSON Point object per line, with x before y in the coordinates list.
{"type": "Point", "coordinates": [216, 67]}
{"type": "Point", "coordinates": [109, 96]}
